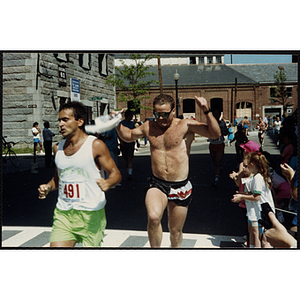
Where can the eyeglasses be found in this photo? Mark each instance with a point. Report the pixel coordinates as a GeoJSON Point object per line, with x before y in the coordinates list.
{"type": "Point", "coordinates": [164, 115]}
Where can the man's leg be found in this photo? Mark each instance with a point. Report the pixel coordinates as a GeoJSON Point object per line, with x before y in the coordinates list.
{"type": "Point", "coordinates": [176, 218]}
{"type": "Point", "coordinates": [156, 202]}
{"type": "Point", "coordinates": [63, 244]}
{"type": "Point", "coordinates": [218, 160]}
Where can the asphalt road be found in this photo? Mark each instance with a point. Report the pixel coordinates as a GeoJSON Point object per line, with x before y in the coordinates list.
{"type": "Point", "coordinates": [210, 212]}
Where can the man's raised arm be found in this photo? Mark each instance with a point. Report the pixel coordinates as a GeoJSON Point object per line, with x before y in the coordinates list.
{"type": "Point", "coordinates": [129, 135]}
{"type": "Point", "coordinates": [212, 128]}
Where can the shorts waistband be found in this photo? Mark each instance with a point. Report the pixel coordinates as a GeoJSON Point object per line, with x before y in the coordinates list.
{"type": "Point", "coordinates": [172, 183]}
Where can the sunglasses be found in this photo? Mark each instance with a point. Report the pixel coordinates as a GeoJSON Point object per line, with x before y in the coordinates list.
{"type": "Point", "coordinates": [164, 115]}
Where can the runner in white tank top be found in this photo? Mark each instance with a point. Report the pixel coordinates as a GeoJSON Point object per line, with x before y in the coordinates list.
{"type": "Point", "coordinates": [79, 215]}
{"type": "Point", "coordinates": [77, 175]}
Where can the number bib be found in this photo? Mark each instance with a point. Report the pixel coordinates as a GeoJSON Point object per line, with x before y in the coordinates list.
{"type": "Point", "coordinates": [72, 191]}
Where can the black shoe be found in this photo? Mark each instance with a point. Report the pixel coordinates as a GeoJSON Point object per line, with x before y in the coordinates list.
{"type": "Point", "coordinates": [215, 182]}
{"type": "Point", "coordinates": [129, 178]}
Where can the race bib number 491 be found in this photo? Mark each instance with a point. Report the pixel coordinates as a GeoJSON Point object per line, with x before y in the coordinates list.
{"type": "Point", "coordinates": [72, 191]}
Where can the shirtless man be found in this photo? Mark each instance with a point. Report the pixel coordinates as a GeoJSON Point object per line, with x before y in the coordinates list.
{"type": "Point", "coordinates": [262, 128]}
{"type": "Point", "coordinates": [246, 124]}
{"type": "Point", "coordinates": [170, 141]}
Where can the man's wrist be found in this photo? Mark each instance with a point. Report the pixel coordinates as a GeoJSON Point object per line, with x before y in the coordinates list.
{"type": "Point", "coordinates": [207, 111]}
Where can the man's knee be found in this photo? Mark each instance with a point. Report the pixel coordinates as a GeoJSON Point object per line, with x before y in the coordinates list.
{"type": "Point", "coordinates": [175, 232]}
{"type": "Point", "coordinates": [154, 218]}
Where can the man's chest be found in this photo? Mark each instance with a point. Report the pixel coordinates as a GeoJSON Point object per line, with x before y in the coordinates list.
{"type": "Point", "coordinates": [171, 139]}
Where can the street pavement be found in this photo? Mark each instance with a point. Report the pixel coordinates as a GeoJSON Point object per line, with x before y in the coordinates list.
{"type": "Point", "coordinates": [213, 221]}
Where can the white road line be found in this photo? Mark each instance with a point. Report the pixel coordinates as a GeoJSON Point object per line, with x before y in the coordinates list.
{"type": "Point", "coordinates": [115, 238]}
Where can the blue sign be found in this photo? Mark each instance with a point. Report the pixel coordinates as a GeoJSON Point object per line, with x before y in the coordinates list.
{"type": "Point", "coordinates": [75, 86]}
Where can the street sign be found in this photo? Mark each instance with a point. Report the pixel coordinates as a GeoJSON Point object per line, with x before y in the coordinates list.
{"type": "Point", "coordinates": [75, 89]}
{"type": "Point", "coordinates": [96, 98]}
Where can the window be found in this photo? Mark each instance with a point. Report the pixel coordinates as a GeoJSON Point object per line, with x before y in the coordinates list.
{"type": "Point", "coordinates": [103, 68]}
{"type": "Point", "coordinates": [85, 60]}
{"type": "Point", "coordinates": [272, 92]}
{"type": "Point", "coordinates": [218, 59]}
{"type": "Point", "coordinates": [62, 56]}
{"type": "Point", "coordinates": [192, 60]}
{"type": "Point", "coordinates": [201, 59]}
{"type": "Point", "coordinates": [209, 59]}
{"type": "Point", "coordinates": [289, 92]}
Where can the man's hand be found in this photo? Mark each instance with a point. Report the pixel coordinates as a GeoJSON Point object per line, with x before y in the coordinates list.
{"type": "Point", "coordinates": [202, 103]}
{"type": "Point", "coordinates": [44, 190]}
{"type": "Point", "coordinates": [278, 236]}
{"type": "Point", "coordinates": [104, 186]}
{"type": "Point", "coordinates": [113, 113]}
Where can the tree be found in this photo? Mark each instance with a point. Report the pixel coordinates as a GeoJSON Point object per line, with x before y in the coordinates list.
{"type": "Point", "coordinates": [280, 94]}
{"type": "Point", "coordinates": [129, 80]}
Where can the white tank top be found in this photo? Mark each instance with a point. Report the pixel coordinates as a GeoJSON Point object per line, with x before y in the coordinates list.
{"type": "Point", "coordinates": [77, 179]}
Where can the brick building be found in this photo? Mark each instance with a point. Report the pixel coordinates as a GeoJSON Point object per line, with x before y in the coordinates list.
{"type": "Point", "coordinates": [241, 90]}
{"type": "Point", "coordinates": [36, 84]}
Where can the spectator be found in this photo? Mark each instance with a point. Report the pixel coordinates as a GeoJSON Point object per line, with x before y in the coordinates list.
{"type": "Point", "coordinates": [240, 138]}
{"type": "Point", "coordinates": [111, 141]}
{"type": "Point", "coordinates": [278, 236]}
{"type": "Point", "coordinates": [217, 146]}
{"type": "Point", "coordinates": [47, 137]}
{"type": "Point", "coordinates": [36, 137]}
{"type": "Point", "coordinates": [257, 191]}
{"type": "Point", "coordinates": [288, 149]}
{"type": "Point", "coordinates": [230, 135]}
{"type": "Point", "coordinates": [243, 173]}
{"type": "Point", "coordinates": [127, 149]}
{"type": "Point", "coordinates": [235, 122]}
{"type": "Point", "coordinates": [292, 178]}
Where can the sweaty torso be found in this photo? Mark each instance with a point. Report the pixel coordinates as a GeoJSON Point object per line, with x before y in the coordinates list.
{"type": "Point", "coordinates": [262, 125]}
{"type": "Point", "coordinates": [170, 150]}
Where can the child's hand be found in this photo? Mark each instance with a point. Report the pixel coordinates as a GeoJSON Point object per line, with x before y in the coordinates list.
{"type": "Point", "coordinates": [233, 175]}
{"type": "Point", "coordinates": [237, 198]}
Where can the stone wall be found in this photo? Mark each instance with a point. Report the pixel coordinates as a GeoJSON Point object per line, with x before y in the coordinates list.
{"type": "Point", "coordinates": [32, 93]}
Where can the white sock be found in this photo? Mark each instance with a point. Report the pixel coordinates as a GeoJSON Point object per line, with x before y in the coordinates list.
{"type": "Point", "coordinates": [130, 171]}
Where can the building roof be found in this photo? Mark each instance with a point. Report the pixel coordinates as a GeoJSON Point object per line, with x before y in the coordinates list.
{"type": "Point", "coordinates": [219, 74]}
{"type": "Point", "coordinates": [199, 75]}
{"type": "Point", "coordinates": [263, 73]}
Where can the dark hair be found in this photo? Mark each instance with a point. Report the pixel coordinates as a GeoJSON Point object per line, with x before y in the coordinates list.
{"type": "Point", "coordinates": [128, 114]}
{"type": "Point", "coordinates": [35, 123]}
{"type": "Point", "coordinates": [164, 99]}
{"type": "Point", "coordinates": [79, 111]}
{"type": "Point", "coordinates": [46, 124]}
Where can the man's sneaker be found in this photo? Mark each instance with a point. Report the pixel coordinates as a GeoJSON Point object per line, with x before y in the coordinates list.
{"type": "Point", "coordinates": [129, 178]}
{"type": "Point", "coordinates": [42, 152]}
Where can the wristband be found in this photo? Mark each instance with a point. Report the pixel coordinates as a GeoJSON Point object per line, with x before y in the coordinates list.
{"type": "Point", "coordinates": [206, 112]}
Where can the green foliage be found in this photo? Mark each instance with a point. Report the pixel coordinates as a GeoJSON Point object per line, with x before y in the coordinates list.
{"type": "Point", "coordinates": [280, 89]}
{"type": "Point", "coordinates": [130, 82]}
